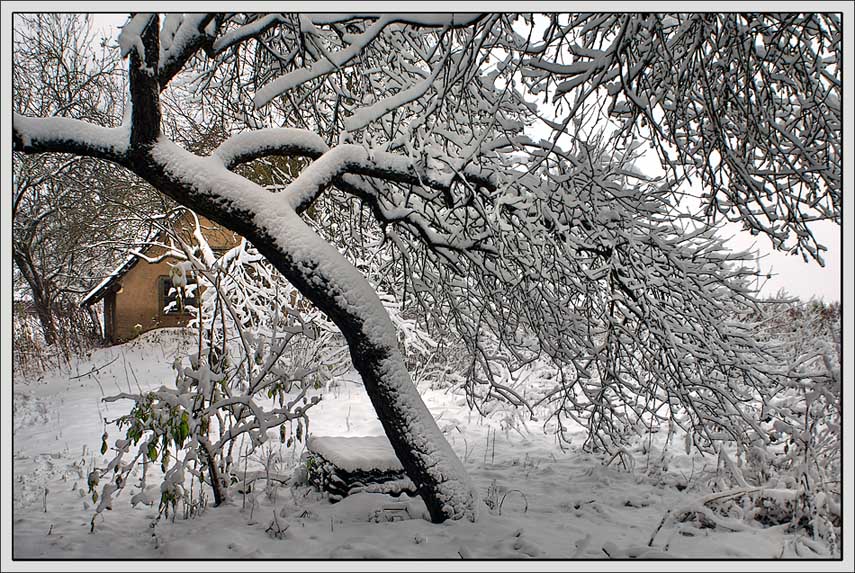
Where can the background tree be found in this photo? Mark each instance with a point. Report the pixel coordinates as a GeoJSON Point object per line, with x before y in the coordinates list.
{"type": "Point", "coordinates": [555, 248]}
{"type": "Point", "coordinates": [69, 213]}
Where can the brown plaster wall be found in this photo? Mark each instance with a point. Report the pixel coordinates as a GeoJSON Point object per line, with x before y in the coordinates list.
{"type": "Point", "coordinates": [138, 297]}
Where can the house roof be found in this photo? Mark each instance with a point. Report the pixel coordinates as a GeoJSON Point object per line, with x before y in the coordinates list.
{"type": "Point", "coordinates": [103, 287]}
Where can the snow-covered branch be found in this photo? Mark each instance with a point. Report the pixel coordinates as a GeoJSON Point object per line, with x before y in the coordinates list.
{"type": "Point", "coordinates": [177, 45]}
{"type": "Point", "coordinates": [322, 67]}
{"type": "Point", "coordinates": [249, 145]}
{"type": "Point", "coordinates": [246, 31]}
{"type": "Point", "coordinates": [332, 164]}
{"type": "Point", "coordinates": [350, 158]}
{"type": "Point", "coordinates": [65, 135]}
{"type": "Point", "coordinates": [356, 44]}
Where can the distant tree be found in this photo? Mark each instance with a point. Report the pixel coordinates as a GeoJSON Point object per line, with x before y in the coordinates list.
{"type": "Point", "coordinates": [527, 248]}
{"type": "Point", "coordinates": [68, 211]}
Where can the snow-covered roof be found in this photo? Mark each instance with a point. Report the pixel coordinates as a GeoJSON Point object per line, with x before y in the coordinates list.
{"type": "Point", "coordinates": [101, 288]}
{"type": "Point", "coordinates": [98, 292]}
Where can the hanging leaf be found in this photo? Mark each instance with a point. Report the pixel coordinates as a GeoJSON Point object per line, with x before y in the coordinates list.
{"type": "Point", "coordinates": [183, 429]}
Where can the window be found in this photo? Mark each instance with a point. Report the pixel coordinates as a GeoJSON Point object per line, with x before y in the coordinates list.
{"type": "Point", "coordinates": [176, 299]}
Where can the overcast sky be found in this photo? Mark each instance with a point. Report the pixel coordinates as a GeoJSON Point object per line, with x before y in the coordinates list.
{"type": "Point", "coordinates": [789, 272]}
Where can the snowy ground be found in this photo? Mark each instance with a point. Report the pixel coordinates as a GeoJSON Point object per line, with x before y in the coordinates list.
{"type": "Point", "coordinates": [548, 504]}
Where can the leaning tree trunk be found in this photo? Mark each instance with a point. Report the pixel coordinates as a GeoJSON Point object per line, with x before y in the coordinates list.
{"type": "Point", "coordinates": [336, 287]}
{"type": "Point", "coordinates": [45, 314]}
{"type": "Point", "coordinates": [269, 221]}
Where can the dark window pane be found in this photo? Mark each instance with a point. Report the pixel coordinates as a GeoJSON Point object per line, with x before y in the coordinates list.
{"type": "Point", "coordinates": [169, 296]}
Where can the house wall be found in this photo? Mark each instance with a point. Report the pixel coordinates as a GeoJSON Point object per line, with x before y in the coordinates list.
{"type": "Point", "coordinates": [137, 298]}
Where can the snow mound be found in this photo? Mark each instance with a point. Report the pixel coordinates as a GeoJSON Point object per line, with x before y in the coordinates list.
{"type": "Point", "coordinates": [28, 410]}
{"type": "Point", "coordinates": [356, 453]}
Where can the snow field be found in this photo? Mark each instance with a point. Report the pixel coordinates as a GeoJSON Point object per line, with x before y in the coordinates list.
{"type": "Point", "coordinates": [539, 502]}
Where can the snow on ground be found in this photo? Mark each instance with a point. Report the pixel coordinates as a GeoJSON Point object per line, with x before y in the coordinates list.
{"type": "Point", "coordinates": [546, 503]}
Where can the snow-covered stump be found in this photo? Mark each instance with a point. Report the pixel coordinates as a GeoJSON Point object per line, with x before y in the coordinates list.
{"type": "Point", "coordinates": [343, 466]}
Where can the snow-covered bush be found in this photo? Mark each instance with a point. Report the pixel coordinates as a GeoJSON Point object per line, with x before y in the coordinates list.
{"type": "Point", "coordinates": [239, 388]}
{"type": "Point", "coordinates": [788, 469]}
{"type": "Point", "coordinates": [803, 419]}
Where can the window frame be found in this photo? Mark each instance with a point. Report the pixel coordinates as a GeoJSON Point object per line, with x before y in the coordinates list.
{"type": "Point", "coordinates": [164, 284]}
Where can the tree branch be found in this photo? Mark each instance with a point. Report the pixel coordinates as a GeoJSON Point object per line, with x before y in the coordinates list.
{"type": "Point", "coordinates": [65, 135]}
{"type": "Point", "coordinates": [251, 30]}
{"type": "Point", "coordinates": [247, 146]}
{"type": "Point", "coordinates": [188, 39]}
{"type": "Point", "coordinates": [331, 164]}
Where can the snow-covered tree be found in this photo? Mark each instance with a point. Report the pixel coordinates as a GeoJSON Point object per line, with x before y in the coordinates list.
{"type": "Point", "coordinates": [527, 247]}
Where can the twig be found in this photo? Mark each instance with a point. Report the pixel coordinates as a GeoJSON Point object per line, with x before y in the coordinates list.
{"type": "Point", "coordinates": [245, 457]}
{"type": "Point", "coordinates": [661, 523]}
{"type": "Point", "coordinates": [94, 370]}
{"type": "Point", "coordinates": [506, 495]}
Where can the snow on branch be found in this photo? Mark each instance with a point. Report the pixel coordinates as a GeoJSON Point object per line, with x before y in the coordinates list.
{"type": "Point", "coordinates": [130, 38]}
{"type": "Point", "coordinates": [334, 61]}
{"type": "Point", "coordinates": [350, 158]}
{"type": "Point", "coordinates": [246, 146]}
{"type": "Point", "coordinates": [366, 115]}
{"type": "Point", "coordinates": [182, 35]}
{"type": "Point", "coordinates": [417, 20]}
{"type": "Point", "coordinates": [66, 135]}
{"type": "Point", "coordinates": [357, 44]}
{"type": "Point", "coordinates": [246, 31]}
{"type": "Point", "coordinates": [331, 164]}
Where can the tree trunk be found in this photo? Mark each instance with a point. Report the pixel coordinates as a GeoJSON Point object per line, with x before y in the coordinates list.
{"type": "Point", "coordinates": [41, 296]}
{"type": "Point", "coordinates": [96, 324]}
{"type": "Point", "coordinates": [339, 289]}
{"type": "Point", "coordinates": [45, 314]}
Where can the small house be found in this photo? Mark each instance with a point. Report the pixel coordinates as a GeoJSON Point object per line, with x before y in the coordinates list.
{"type": "Point", "coordinates": [137, 293]}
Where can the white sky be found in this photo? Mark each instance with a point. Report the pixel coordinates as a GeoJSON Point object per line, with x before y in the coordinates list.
{"type": "Point", "coordinates": [789, 272]}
